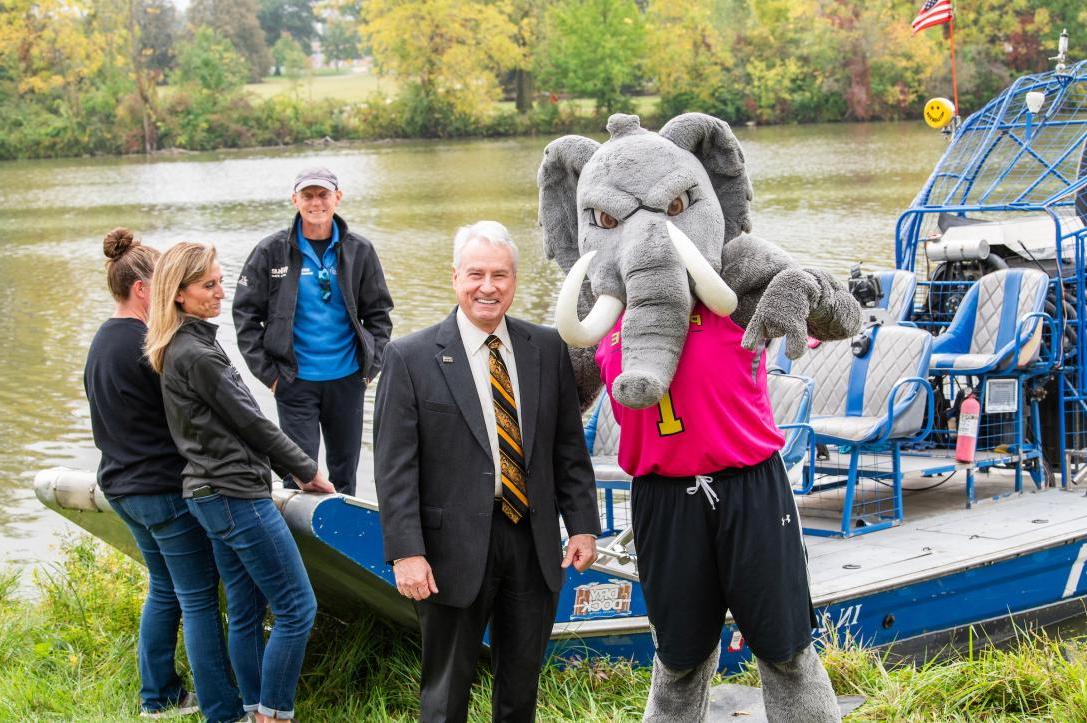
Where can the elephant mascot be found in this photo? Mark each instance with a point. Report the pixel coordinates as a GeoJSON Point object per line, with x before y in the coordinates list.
{"type": "Point", "coordinates": [668, 301]}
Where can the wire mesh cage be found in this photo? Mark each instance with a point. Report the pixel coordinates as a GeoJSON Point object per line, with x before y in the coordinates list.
{"type": "Point", "coordinates": [836, 508]}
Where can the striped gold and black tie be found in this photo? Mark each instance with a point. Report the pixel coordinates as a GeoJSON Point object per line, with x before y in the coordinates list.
{"type": "Point", "coordinates": [510, 451]}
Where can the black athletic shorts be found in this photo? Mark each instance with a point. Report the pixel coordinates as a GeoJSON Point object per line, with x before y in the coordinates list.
{"type": "Point", "coordinates": [743, 553]}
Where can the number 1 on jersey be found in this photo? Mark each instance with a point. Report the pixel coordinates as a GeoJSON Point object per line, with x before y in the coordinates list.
{"type": "Point", "coordinates": [669, 423]}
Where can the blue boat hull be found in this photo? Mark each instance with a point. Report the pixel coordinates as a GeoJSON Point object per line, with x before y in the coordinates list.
{"type": "Point", "coordinates": [602, 613]}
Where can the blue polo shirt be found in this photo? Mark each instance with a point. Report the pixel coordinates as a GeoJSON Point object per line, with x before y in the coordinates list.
{"type": "Point", "coordinates": [325, 344]}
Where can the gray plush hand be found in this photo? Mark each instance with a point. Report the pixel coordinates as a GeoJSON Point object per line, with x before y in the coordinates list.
{"type": "Point", "coordinates": [783, 311]}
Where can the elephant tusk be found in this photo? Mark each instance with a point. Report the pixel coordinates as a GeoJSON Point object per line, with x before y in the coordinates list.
{"type": "Point", "coordinates": [597, 323]}
{"type": "Point", "coordinates": [709, 287]}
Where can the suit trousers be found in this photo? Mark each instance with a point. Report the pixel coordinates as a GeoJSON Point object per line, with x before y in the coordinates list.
{"type": "Point", "coordinates": [333, 408]}
{"type": "Point", "coordinates": [520, 608]}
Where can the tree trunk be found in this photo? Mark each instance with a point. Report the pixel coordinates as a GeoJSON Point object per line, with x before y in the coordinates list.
{"type": "Point", "coordinates": [526, 88]}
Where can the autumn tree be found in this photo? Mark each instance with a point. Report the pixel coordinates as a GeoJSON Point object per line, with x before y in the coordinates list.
{"type": "Point", "coordinates": [446, 54]}
{"type": "Point", "coordinates": [688, 54]}
{"type": "Point", "coordinates": [289, 57]}
{"type": "Point", "coordinates": [294, 18]}
{"type": "Point", "coordinates": [526, 15]}
{"type": "Point", "coordinates": [592, 48]}
{"type": "Point", "coordinates": [340, 41]}
{"type": "Point", "coordinates": [160, 28]}
{"type": "Point", "coordinates": [237, 21]}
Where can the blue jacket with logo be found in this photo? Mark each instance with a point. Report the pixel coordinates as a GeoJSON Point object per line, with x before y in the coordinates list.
{"type": "Point", "coordinates": [267, 295]}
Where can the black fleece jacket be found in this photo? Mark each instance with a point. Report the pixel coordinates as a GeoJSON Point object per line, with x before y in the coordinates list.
{"type": "Point", "coordinates": [216, 423]}
{"type": "Point", "coordinates": [267, 294]}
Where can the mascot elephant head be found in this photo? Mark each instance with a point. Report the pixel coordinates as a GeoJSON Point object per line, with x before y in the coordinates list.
{"type": "Point", "coordinates": [651, 222]}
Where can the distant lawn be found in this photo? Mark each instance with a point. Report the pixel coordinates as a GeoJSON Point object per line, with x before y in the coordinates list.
{"type": "Point", "coordinates": [643, 105]}
{"type": "Point", "coordinates": [355, 87]}
{"type": "Point", "coordinates": [347, 86]}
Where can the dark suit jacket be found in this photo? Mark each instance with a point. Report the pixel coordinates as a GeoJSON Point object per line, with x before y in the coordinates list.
{"type": "Point", "coordinates": [432, 457]}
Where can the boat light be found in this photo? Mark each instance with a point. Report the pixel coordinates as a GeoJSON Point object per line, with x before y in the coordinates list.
{"type": "Point", "coordinates": [1035, 100]}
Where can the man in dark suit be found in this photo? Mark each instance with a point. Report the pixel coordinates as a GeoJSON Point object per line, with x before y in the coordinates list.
{"type": "Point", "coordinates": [478, 448]}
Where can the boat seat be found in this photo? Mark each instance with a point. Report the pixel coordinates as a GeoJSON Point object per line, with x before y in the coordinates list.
{"type": "Point", "coordinates": [894, 307]}
{"type": "Point", "coordinates": [602, 439]}
{"type": "Point", "coordinates": [871, 404]}
{"type": "Point", "coordinates": [871, 401]}
{"type": "Point", "coordinates": [790, 398]}
{"type": "Point", "coordinates": [997, 327]}
{"type": "Point", "coordinates": [898, 288]}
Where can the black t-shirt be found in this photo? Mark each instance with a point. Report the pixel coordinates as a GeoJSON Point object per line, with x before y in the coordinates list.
{"type": "Point", "coordinates": [127, 416]}
{"type": "Point", "coordinates": [319, 246]}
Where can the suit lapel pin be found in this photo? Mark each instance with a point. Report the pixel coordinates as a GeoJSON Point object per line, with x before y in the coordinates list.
{"type": "Point", "coordinates": [447, 360]}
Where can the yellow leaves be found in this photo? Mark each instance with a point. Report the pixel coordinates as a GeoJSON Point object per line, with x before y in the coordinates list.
{"type": "Point", "coordinates": [51, 44]}
{"type": "Point", "coordinates": [686, 48]}
{"type": "Point", "coordinates": [454, 47]}
{"type": "Point", "coordinates": [41, 83]}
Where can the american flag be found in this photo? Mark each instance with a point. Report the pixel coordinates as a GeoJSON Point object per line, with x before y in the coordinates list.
{"type": "Point", "coordinates": [933, 12]}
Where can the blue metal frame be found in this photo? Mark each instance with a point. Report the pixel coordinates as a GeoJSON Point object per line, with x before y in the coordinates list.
{"type": "Point", "coordinates": [1005, 162]}
{"type": "Point", "coordinates": [879, 443]}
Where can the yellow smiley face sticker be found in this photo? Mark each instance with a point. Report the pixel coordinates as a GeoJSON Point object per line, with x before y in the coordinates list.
{"type": "Point", "coordinates": [939, 112]}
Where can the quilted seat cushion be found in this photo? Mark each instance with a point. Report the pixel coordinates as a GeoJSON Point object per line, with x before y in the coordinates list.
{"type": "Point", "coordinates": [853, 429]}
{"type": "Point", "coordinates": [608, 470]}
{"type": "Point", "coordinates": [962, 362]}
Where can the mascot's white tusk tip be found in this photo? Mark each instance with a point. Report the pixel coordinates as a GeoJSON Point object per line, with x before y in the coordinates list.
{"type": "Point", "coordinates": [709, 287]}
{"type": "Point", "coordinates": [602, 317]}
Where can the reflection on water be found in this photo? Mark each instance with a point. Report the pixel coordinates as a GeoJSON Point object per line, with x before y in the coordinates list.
{"type": "Point", "coordinates": [828, 194]}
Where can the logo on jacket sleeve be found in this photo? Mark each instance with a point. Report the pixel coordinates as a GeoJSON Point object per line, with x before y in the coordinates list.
{"type": "Point", "coordinates": [243, 280]}
{"type": "Point", "coordinates": [279, 272]}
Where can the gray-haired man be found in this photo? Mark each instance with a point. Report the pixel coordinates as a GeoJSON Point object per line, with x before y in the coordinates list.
{"type": "Point", "coordinates": [478, 448]}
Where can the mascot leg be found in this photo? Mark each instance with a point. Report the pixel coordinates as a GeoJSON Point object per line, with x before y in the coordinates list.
{"type": "Point", "coordinates": [796, 690]}
{"type": "Point", "coordinates": [680, 696]}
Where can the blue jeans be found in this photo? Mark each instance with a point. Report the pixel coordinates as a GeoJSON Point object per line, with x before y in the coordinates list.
{"type": "Point", "coordinates": [259, 562]}
{"type": "Point", "coordinates": [184, 582]}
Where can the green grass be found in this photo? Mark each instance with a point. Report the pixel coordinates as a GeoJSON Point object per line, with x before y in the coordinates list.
{"type": "Point", "coordinates": [346, 86]}
{"type": "Point", "coordinates": [69, 656]}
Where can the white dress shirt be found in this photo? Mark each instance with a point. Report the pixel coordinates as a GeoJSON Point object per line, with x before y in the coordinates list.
{"type": "Point", "coordinates": [474, 340]}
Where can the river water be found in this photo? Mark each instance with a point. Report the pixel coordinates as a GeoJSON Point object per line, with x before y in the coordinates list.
{"type": "Point", "coordinates": [829, 194]}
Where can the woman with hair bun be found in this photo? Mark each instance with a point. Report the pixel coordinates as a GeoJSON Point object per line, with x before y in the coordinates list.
{"type": "Point", "coordinates": [231, 450]}
{"type": "Point", "coordinates": [140, 474]}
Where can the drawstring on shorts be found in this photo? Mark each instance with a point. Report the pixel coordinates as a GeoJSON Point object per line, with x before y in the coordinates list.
{"type": "Point", "coordinates": [702, 482]}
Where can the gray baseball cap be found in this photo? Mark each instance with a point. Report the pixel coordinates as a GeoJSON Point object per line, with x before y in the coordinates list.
{"type": "Point", "coordinates": [315, 176]}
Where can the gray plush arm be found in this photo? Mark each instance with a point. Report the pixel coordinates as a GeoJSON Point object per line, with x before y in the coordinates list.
{"type": "Point", "coordinates": [778, 298]}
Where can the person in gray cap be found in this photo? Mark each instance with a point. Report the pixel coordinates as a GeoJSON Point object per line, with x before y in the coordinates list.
{"type": "Point", "coordinates": [312, 317]}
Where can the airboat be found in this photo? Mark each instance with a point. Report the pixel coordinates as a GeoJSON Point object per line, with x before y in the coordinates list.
{"type": "Point", "coordinates": [913, 543]}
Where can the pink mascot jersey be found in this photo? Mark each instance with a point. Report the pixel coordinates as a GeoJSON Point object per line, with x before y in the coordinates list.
{"type": "Point", "coordinates": [716, 414]}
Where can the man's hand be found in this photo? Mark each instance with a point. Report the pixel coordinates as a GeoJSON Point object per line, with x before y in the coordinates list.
{"type": "Point", "coordinates": [414, 578]}
{"type": "Point", "coordinates": [319, 483]}
{"type": "Point", "coordinates": [580, 552]}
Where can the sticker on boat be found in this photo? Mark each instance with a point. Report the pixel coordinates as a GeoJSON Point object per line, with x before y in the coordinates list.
{"type": "Point", "coordinates": [597, 599]}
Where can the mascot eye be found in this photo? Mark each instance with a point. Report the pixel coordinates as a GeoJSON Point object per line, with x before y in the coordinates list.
{"type": "Point", "coordinates": [601, 219]}
{"type": "Point", "coordinates": [679, 204]}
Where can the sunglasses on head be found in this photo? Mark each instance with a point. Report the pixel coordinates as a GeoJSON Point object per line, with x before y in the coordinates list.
{"type": "Point", "coordinates": [325, 280]}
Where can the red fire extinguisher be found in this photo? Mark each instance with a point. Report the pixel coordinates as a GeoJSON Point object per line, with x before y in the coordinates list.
{"type": "Point", "coordinates": [969, 418]}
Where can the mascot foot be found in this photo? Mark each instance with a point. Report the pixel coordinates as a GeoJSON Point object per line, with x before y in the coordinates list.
{"type": "Point", "coordinates": [637, 390]}
{"type": "Point", "coordinates": [797, 690]}
{"type": "Point", "coordinates": [680, 696]}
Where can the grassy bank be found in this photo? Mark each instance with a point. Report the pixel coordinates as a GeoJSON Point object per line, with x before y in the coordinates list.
{"type": "Point", "coordinates": [70, 656]}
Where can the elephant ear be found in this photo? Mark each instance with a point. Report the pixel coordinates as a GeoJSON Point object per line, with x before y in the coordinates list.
{"type": "Point", "coordinates": [559, 172]}
{"type": "Point", "coordinates": [714, 145]}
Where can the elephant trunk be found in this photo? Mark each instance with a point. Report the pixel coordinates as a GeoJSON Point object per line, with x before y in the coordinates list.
{"type": "Point", "coordinates": [658, 312]}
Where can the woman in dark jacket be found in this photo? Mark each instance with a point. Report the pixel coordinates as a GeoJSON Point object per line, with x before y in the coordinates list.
{"type": "Point", "coordinates": [140, 474]}
{"type": "Point", "coordinates": [230, 449]}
